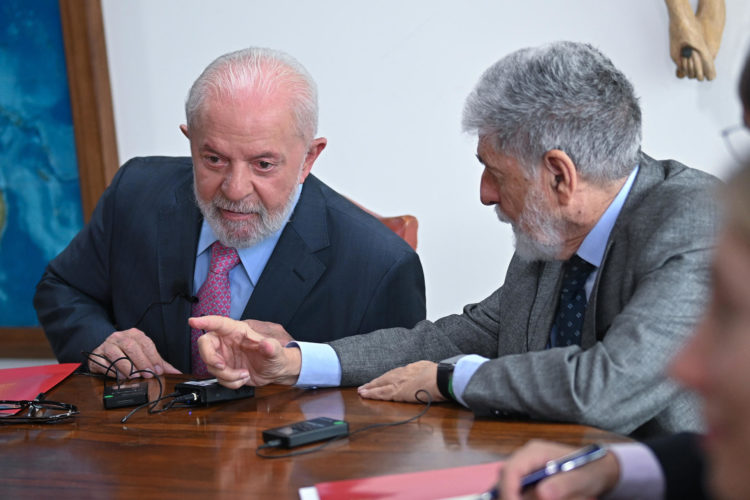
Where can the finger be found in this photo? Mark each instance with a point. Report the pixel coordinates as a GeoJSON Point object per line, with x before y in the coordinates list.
{"type": "Point", "coordinates": [116, 365]}
{"type": "Point", "coordinates": [526, 459]}
{"type": "Point", "coordinates": [169, 369]}
{"type": "Point", "coordinates": [372, 384]}
{"type": "Point", "coordinates": [271, 330]}
{"type": "Point", "coordinates": [227, 379]}
{"type": "Point", "coordinates": [148, 356]}
{"type": "Point", "coordinates": [141, 351]}
{"type": "Point", "coordinates": [572, 484]}
{"type": "Point", "coordinates": [209, 348]}
{"type": "Point", "coordinates": [709, 69]}
{"type": "Point", "coordinates": [394, 375]}
{"type": "Point", "coordinates": [99, 362]}
{"type": "Point", "coordinates": [511, 475]}
{"type": "Point", "coordinates": [224, 326]}
{"type": "Point", "coordinates": [509, 483]}
{"type": "Point", "coordinates": [267, 347]}
{"type": "Point", "coordinates": [379, 393]}
{"type": "Point", "coordinates": [686, 66]}
{"type": "Point", "coordinates": [698, 65]}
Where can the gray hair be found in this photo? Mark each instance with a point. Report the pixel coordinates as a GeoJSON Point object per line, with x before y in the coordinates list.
{"type": "Point", "coordinates": [264, 71]}
{"type": "Point", "coordinates": [566, 96]}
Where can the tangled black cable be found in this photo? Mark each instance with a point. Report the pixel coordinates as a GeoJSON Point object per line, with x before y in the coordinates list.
{"type": "Point", "coordinates": [111, 366]}
{"type": "Point", "coordinates": [185, 398]}
{"type": "Point", "coordinates": [314, 449]}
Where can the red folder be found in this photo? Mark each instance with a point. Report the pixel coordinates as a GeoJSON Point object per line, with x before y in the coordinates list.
{"type": "Point", "coordinates": [28, 382]}
{"type": "Point", "coordinates": [441, 483]}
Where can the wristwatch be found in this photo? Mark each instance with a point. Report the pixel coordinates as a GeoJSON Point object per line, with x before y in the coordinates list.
{"type": "Point", "coordinates": [445, 379]}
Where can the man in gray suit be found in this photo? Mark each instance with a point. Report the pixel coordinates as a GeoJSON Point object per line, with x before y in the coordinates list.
{"type": "Point", "coordinates": [608, 279]}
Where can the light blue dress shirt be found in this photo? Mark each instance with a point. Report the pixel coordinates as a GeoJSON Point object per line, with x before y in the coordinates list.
{"type": "Point", "coordinates": [321, 366]}
{"type": "Point", "coordinates": [641, 475]}
{"type": "Point", "coordinates": [243, 277]}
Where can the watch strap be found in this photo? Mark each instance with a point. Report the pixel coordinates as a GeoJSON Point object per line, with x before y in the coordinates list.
{"type": "Point", "coordinates": [445, 380]}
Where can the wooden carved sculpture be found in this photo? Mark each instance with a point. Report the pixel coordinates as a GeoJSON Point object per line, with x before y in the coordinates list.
{"type": "Point", "coordinates": [694, 37]}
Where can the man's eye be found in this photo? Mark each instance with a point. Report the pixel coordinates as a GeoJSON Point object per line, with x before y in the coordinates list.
{"type": "Point", "coordinates": [264, 165]}
{"type": "Point", "coordinates": [212, 159]}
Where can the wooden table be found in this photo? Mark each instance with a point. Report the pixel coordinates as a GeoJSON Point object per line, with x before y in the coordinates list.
{"type": "Point", "coordinates": [209, 452]}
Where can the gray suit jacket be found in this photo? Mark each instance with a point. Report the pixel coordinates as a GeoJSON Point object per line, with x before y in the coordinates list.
{"type": "Point", "coordinates": [649, 293]}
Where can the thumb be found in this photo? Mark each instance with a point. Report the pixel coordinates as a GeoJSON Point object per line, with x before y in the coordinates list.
{"type": "Point", "coordinates": [269, 348]}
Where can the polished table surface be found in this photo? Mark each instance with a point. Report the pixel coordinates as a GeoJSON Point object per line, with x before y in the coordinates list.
{"type": "Point", "coordinates": [209, 451]}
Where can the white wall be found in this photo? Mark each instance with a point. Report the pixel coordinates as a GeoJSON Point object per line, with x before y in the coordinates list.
{"type": "Point", "coordinates": [392, 76]}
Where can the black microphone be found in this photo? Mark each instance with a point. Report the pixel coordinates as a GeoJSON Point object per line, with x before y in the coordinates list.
{"type": "Point", "coordinates": [179, 290]}
{"type": "Point", "coordinates": [190, 298]}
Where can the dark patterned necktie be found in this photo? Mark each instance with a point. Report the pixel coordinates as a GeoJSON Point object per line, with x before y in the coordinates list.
{"type": "Point", "coordinates": [572, 306]}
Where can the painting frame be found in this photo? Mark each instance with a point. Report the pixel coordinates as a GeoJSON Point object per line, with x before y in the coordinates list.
{"type": "Point", "coordinates": [94, 131]}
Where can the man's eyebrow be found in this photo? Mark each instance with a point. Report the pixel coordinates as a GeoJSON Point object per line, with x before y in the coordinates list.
{"type": "Point", "coordinates": [267, 154]}
{"type": "Point", "coordinates": [208, 147]}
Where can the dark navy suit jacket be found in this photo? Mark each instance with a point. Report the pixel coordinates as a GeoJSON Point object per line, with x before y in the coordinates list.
{"type": "Point", "coordinates": [336, 270]}
{"type": "Point", "coordinates": [683, 464]}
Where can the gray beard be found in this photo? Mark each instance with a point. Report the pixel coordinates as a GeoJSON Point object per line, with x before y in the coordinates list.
{"type": "Point", "coordinates": [243, 234]}
{"type": "Point", "coordinates": [543, 240]}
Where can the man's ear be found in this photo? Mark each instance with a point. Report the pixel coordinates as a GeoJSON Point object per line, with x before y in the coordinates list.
{"type": "Point", "coordinates": [561, 173]}
{"type": "Point", "coordinates": [185, 131]}
{"type": "Point", "coordinates": [313, 151]}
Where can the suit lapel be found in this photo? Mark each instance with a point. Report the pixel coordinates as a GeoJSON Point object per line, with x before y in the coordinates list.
{"type": "Point", "coordinates": [545, 304]}
{"type": "Point", "coordinates": [178, 231]}
{"type": "Point", "coordinates": [589, 336]}
{"type": "Point", "coordinates": [650, 173]}
{"type": "Point", "coordinates": [294, 268]}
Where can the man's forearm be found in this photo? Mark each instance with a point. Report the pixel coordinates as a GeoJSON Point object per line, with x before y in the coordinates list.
{"type": "Point", "coordinates": [72, 321]}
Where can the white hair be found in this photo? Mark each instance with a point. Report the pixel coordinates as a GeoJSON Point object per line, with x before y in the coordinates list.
{"type": "Point", "coordinates": [566, 96]}
{"type": "Point", "coordinates": [261, 70]}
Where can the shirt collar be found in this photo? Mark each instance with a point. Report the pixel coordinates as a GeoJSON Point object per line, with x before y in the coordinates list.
{"type": "Point", "coordinates": [593, 246]}
{"type": "Point", "coordinates": [253, 258]}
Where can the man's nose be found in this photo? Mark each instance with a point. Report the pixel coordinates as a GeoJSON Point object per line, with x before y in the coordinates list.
{"type": "Point", "coordinates": [238, 183]}
{"type": "Point", "coordinates": [488, 190]}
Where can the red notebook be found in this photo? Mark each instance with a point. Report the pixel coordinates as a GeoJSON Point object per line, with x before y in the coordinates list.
{"type": "Point", "coordinates": [441, 483]}
{"type": "Point", "coordinates": [28, 382]}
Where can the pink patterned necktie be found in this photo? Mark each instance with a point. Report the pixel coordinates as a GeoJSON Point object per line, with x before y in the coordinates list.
{"type": "Point", "coordinates": [213, 297]}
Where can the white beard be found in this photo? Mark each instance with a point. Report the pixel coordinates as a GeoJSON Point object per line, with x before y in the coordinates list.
{"type": "Point", "coordinates": [243, 234]}
{"type": "Point", "coordinates": [542, 239]}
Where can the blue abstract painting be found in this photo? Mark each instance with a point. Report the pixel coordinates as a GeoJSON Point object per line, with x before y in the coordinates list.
{"type": "Point", "coordinates": [40, 200]}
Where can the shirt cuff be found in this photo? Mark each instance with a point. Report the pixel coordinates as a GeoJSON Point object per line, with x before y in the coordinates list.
{"type": "Point", "coordinates": [465, 368]}
{"type": "Point", "coordinates": [641, 477]}
{"type": "Point", "coordinates": [320, 365]}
